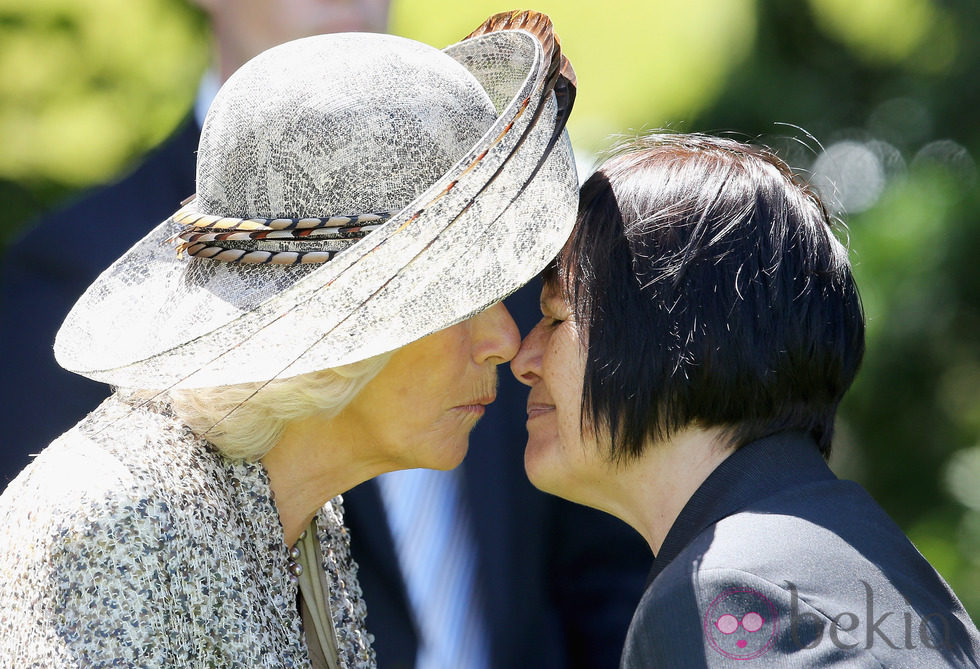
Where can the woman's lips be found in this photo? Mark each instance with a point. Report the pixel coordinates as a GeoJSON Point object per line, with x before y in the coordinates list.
{"type": "Point", "coordinates": [476, 409]}
{"type": "Point", "coordinates": [535, 409]}
{"type": "Point", "coordinates": [478, 406]}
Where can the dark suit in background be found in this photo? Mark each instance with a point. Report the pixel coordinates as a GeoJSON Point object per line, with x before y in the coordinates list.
{"type": "Point", "coordinates": [46, 271]}
{"type": "Point", "coordinates": [774, 562]}
{"type": "Point", "coordinates": [559, 581]}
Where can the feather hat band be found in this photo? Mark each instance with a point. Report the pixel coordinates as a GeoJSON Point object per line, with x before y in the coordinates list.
{"type": "Point", "coordinates": [434, 182]}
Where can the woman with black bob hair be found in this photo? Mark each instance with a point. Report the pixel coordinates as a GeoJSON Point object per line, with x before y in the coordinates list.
{"type": "Point", "coordinates": [700, 329]}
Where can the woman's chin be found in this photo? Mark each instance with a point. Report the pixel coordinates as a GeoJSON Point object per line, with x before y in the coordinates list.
{"type": "Point", "coordinates": [455, 458]}
{"type": "Point", "coordinates": [551, 472]}
{"type": "Point", "coordinates": [542, 468]}
{"type": "Point", "coordinates": [447, 456]}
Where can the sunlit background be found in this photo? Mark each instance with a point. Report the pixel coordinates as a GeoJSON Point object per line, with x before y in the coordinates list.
{"type": "Point", "coordinates": [875, 99]}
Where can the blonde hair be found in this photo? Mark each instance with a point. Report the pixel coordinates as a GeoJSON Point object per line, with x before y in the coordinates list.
{"type": "Point", "coordinates": [246, 420]}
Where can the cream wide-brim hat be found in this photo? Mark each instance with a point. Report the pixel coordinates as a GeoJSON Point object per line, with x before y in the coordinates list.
{"type": "Point", "coordinates": [465, 146]}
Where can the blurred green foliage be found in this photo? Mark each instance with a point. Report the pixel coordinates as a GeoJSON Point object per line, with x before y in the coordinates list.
{"type": "Point", "coordinates": [86, 86]}
{"type": "Point", "coordinates": [637, 62]}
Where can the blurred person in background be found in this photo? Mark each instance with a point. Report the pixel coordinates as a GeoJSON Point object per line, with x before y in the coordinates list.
{"type": "Point", "coordinates": [42, 273]}
{"type": "Point", "coordinates": [557, 582]}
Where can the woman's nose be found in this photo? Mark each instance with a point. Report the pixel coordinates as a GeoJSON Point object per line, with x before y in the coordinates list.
{"type": "Point", "coordinates": [526, 365]}
{"type": "Point", "coordinates": [495, 335]}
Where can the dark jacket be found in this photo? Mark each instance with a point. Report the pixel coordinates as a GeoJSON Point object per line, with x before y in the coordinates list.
{"type": "Point", "coordinates": [774, 562]}
{"type": "Point", "coordinates": [46, 271]}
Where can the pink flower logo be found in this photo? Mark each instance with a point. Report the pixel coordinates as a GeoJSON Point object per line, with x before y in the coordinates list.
{"type": "Point", "coordinates": [741, 624]}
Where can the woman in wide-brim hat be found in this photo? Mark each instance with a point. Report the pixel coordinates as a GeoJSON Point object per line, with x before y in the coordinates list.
{"type": "Point", "coordinates": [325, 309]}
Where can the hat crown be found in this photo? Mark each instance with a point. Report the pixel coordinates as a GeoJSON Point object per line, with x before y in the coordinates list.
{"type": "Point", "coordinates": [481, 228]}
{"type": "Point", "coordinates": [335, 125]}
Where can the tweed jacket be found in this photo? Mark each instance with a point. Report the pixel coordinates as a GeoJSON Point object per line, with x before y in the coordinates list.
{"type": "Point", "coordinates": [131, 542]}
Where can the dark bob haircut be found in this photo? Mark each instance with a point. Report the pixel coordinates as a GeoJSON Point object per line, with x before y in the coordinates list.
{"type": "Point", "coordinates": [713, 293]}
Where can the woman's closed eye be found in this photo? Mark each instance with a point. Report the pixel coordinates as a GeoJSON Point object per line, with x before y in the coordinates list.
{"type": "Point", "coordinates": [554, 312]}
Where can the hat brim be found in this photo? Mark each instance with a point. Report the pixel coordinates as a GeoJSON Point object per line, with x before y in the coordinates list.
{"type": "Point", "coordinates": [488, 226]}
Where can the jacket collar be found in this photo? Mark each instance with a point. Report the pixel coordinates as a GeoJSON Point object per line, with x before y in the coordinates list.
{"type": "Point", "coordinates": [755, 471]}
